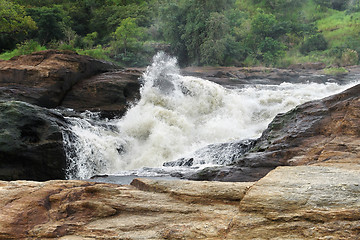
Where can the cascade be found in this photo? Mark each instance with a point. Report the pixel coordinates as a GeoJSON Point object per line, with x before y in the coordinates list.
{"type": "Point", "coordinates": [175, 116]}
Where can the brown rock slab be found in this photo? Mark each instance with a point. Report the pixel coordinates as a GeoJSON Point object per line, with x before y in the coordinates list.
{"type": "Point", "coordinates": [211, 190]}
{"type": "Point", "coordinates": [109, 93]}
{"type": "Point", "coordinates": [87, 210]}
{"type": "Point", "coordinates": [43, 78]}
{"type": "Point", "coordinates": [302, 202]}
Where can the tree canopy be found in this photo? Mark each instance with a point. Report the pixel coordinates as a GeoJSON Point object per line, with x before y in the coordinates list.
{"type": "Point", "coordinates": [197, 32]}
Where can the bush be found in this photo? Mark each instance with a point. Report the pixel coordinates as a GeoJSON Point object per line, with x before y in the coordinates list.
{"type": "Point", "coordinates": [335, 71]}
{"type": "Point", "coordinates": [271, 50]}
{"type": "Point", "coordinates": [24, 48]}
{"type": "Point", "coordinates": [313, 43]}
{"type": "Point", "coordinates": [349, 57]}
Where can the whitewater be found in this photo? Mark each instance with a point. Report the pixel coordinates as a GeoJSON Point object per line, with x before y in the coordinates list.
{"type": "Point", "coordinates": [175, 116]}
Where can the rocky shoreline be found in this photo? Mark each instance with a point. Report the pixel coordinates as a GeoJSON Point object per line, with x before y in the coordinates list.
{"type": "Point", "coordinates": [303, 172]}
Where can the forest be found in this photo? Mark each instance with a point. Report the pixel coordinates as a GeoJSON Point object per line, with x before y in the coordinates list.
{"type": "Point", "coordinates": [274, 33]}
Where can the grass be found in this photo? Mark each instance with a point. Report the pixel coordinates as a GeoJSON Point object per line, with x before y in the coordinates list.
{"type": "Point", "coordinates": [335, 71]}
{"type": "Point", "coordinates": [339, 27]}
{"type": "Point", "coordinates": [98, 53]}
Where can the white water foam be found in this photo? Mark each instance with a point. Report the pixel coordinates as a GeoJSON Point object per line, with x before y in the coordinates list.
{"type": "Point", "coordinates": [177, 115]}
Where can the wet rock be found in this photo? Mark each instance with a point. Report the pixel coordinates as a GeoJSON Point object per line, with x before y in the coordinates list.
{"type": "Point", "coordinates": [108, 93]}
{"type": "Point", "coordinates": [221, 154]}
{"type": "Point", "coordinates": [31, 144]}
{"type": "Point", "coordinates": [318, 131]}
{"type": "Point", "coordinates": [43, 78]}
{"type": "Point", "coordinates": [314, 132]}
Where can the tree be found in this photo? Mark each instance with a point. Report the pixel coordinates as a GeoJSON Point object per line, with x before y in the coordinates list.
{"type": "Point", "coordinates": [13, 18]}
{"type": "Point", "coordinates": [212, 50]}
{"type": "Point", "coordinates": [50, 22]}
{"type": "Point", "coordinates": [127, 34]}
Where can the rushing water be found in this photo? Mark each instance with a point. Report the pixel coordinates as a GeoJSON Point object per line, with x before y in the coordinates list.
{"type": "Point", "coordinates": [175, 116]}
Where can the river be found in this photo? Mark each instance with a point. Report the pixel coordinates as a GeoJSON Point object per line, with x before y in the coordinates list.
{"type": "Point", "coordinates": [175, 116]}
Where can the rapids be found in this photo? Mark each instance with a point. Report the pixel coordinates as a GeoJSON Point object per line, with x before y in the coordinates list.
{"type": "Point", "coordinates": [176, 116]}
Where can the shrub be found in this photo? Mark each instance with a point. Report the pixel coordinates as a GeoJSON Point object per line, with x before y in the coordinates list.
{"type": "Point", "coordinates": [24, 48]}
{"type": "Point", "coordinates": [271, 50]}
{"type": "Point", "coordinates": [313, 43]}
{"type": "Point", "coordinates": [335, 71]}
{"type": "Point", "coordinates": [349, 57]}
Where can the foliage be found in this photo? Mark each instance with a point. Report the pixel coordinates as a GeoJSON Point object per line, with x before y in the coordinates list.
{"type": "Point", "coordinates": [349, 57]}
{"type": "Point", "coordinates": [98, 53]}
{"type": "Point", "coordinates": [13, 18]}
{"type": "Point", "coordinates": [335, 71]}
{"type": "Point", "coordinates": [49, 22]}
{"type": "Point", "coordinates": [197, 32]}
{"type": "Point", "coordinates": [24, 48]}
{"type": "Point", "coordinates": [271, 50]}
{"type": "Point", "coordinates": [313, 43]}
{"type": "Point", "coordinates": [127, 35]}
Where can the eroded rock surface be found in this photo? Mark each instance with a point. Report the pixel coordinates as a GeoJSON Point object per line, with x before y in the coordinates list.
{"type": "Point", "coordinates": [292, 202]}
{"type": "Point", "coordinates": [302, 202]}
{"type": "Point", "coordinates": [84, 210]}
{"type": "Point", "coordinates": [44, 78]}
{"type": "Point", "coordinates": [31, 143]}
{"type": "Point", "coordinates": [108, 93]}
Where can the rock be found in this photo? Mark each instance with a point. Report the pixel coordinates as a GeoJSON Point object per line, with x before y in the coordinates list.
{"type": "Point", "coordinates": [108, 93]}
{"type": "Point", "coordinates": [221, 154]}
{"type": "Point", "coordinates": [318, 131]}
{"type": "Point", "coordinates": [85, 210]}
{"type": "Point", "coordinates": [292, 202]}
{"type": "Point", "coordinates": [44, 78]}
{"type": "Point", "coordinates": [314, 132]}
{"type": "Point", "coordinates": [302, 202]}
{"type": "Point", "coordinates": [210, 190]}
{"type": "Point", "coordinates": [31, 144]}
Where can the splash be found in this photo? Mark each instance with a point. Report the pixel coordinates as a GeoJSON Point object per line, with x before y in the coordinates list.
{"type": "Point", "coordinates": [175, 116]}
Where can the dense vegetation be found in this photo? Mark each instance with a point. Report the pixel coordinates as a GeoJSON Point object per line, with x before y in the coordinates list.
{"type": "Point", "coordinates": [212, 32]}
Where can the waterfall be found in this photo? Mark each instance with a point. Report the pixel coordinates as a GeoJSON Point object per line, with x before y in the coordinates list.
{"type": "Point", "coordinates": [175, 116]}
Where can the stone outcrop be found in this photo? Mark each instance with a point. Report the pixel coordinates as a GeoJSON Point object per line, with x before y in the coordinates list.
{"type": "Point", "coordinates": [108, 93]}
{"type": "Point", "coordinates": [84, 210]}
{"type": "Point", "coordinates": [44, 78]}
{"type": "Point", "coordinates": [55, 78]}
{"type": "Point", "coordinates": [31, 143]}
{"type": "Point", "coordinates": [318, 131]}
{"type": "Point", "coordinates": [291, 202]}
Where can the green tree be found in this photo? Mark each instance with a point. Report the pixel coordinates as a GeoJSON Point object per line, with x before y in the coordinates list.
{"type": "Point", "coordinates": [213, 48]}
{"type": "Point", "coordinates": [50, 22]}
{"type": "Point", "coordinates": [127, 34]}
{"type": "Point", "coordinates": [89, 39]}
{"type": "Point", "coordinates": [13, 18]}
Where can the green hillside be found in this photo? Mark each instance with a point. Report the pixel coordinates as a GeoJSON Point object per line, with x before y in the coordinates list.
{"type": "Point", "coordinates": [214, 32]}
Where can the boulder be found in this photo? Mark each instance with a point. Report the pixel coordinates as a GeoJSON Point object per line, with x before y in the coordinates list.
{"type": "Point", "coordinates": [31, 143]}
{"type": "Point", "coordinates": [44, 78]}
{"type": "Point", "coordinates": [109, 93]}
{"type": "Point", "coordinates": [301, 202]}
